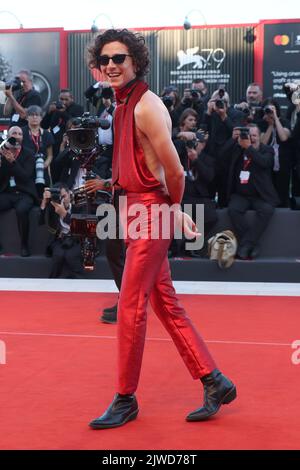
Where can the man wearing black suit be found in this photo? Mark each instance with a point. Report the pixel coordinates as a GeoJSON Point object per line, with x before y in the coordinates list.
{"type": "Point", "coordinates": [17, 188]}
{"type": "Point", "coordinates": [249, 165]}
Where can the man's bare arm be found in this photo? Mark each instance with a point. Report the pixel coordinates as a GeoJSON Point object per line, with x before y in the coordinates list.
{"type": "Point", "coordinates": [11, 103]}
{"type": "Point", "coordinates": [155, 124]}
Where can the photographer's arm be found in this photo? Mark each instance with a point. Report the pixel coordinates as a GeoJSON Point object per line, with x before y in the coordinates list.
{"type": "Point", "coordinates": [13, 105]}
{"type": "Point", "coordinates": [265, 158]}
{"type": "Point", "coordinates": [91, 186]}
{"type": "Point", "coordinates": [265, 137]}
{"type": "Point", "coordinates": [283, 133]}
{"type": "Point", "coordinates": [49, 156]}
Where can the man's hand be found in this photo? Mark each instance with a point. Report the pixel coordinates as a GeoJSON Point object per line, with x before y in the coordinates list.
{"type": "Point", "coordinates": [192, 154]}
{"type": "Point", "coordinates": [236, 133]}
{"type": "Point", "coordinates": [211, 106]}
{"type": "Point", "coordinates": [91, 186]}
{"type": "Point", "coordinates": [244, 143]}
{"type": "Point", "coordinates": [184, 222]}
{"type": "Point", "coordinates": [46, 194]}
{"type": "Point", "coordinates": [9, 93]}
{"type": "Point", "coordinates": [59, 209]}
{"type": "Point", "coordinates": [8, 155]}
{"type": "Point", "coordinates": [52, 107]}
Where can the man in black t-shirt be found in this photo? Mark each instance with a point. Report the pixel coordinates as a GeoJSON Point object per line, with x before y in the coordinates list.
{"type": "Point", "coordinates": [19, 101]}
{"type": "Point", "coordinates": [57, 116]}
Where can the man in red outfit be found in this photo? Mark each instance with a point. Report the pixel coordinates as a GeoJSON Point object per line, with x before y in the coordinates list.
{"type": "Point", "coordinates": [147, 169]}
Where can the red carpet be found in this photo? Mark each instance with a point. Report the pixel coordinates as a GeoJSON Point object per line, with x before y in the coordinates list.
{"type": "Point", "coordinates": [60, 373]}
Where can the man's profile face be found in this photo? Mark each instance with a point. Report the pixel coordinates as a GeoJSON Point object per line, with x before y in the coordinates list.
{"type": "Point", "coordinates": [118, 74]}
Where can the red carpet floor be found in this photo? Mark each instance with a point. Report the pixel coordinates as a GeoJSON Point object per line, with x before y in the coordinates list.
{"type": "Point", "coordinates": [60, 373]}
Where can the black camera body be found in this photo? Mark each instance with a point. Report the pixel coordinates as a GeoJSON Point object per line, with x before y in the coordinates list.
{"type": "Point", "coordinates": [9, 144]}
{"type": "Point", "coordinates": [244, 132]}
{"type": "Point", "coordinates": [220, 104]}
{"type": "Point", "coordinates": [59, 105]}
{"type": "Point", "coordinates": [55, 194]}
{"type": "Point", "coordinates": [268, 110]}
{"type": "Point", "coordinates": [168, 101]}
{"type": "Point", "coordinates": [83, 139]}
{"type": "Point", "coordinates": [200, 138]}
{"type": "Point", "coordinates": [242, 109]}
{"type": "Point", "coordinates": [15, 84]}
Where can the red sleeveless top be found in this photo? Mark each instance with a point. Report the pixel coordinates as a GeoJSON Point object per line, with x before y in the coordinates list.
{"type": "Point", "coordinates": [129, 169]}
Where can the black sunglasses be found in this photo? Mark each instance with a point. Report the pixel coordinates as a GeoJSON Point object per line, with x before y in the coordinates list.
{"type": "Point", "coordinates": [117, 59]}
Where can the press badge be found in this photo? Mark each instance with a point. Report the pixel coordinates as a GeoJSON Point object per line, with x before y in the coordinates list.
{"type": "Point", "coordinates": [15, 117]}
{"type": "Point", "coordinates": [56, 129]}
{"type": "Point", "coordinates": [244, 176]}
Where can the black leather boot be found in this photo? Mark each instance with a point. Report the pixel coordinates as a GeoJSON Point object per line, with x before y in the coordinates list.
{"type": "Point", "coordinates": [109, 315]}
{"type": "Point", "coordinates": [218, 390]}
{"type": "Point", "coordinates": [124, 408]}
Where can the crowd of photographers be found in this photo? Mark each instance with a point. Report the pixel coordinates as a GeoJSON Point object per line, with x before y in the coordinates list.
{"type": "Point", "coordinates": [240, 156]}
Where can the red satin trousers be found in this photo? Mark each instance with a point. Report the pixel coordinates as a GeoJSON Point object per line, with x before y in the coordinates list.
{"type": "Point", "coordinates": [147, 277]}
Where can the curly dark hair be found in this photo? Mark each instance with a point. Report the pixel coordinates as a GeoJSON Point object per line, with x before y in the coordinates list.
{"type": "Point", "coordinates": [135, 43]}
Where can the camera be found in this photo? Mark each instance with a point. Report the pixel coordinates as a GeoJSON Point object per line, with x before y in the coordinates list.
{"type": "Point", "coordinates": [200, 138]}
{"type": "Point", "coordinates": [107, 93]}
{"type": "Point", "coordinates": [191, 144]}
{"type": "Point", "coordinates": [244, 132]}
{"type": "Point", "coordinates": [256, 110]}
{"type": "Point", "coordinates": [168, 101]}
{"type": "Point", "coordinates": [195, 93]}
{"type": "Point", "coordinates": [268, 110]}
{"type": "Point", "coordinates": [292, 91]}
{"type": "Point", "coordinates": [15, 84]}
{"type": "Point", "coordinates": [84, 137]}
{"type": "Point", "coordinates": [59, 105]}
{"type": "Point", "coordinates": [220, 104]}
{"type": "Point", "coordinates": [55, 194]}
{"type": "Point", "coordinates": [9, 144]}
{"type": "Point", "coordinates": [39, 168]}
{"type": "Point", "coordinates": [244, 110]}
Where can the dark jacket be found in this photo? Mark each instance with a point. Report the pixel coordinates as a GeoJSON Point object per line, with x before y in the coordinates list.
{"type": "Point", "coordinates": [261, 169]}
{"type": "Point", "coordinates": [23, 170]}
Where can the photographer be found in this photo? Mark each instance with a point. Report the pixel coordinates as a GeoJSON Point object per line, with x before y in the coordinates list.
{"type": "Point", "coordinates": [56, 209]}
{"type": "Point", "coordinates": [101, 95]}
{"type": "Point", "coordinates": [67, 165]}
{"type": "Point", "coordinates": [20, 95]}
{"type": "Point", "coordinates": [248, 164]}
{"type": "Point", "coordinates": [276, 133]}
{"type": "Point", "coordinates": [292, 91]}
{"type": "Point", "coordinates": [57, 116]}
{"type": "Point", "coordinates": [170, 98]}
{"type": "Point", "coordinates": [40, 142]}
{"type": "Point", "coordinates": [199, 173]}
{"type": "Point", "coordinates": [192, 99]}
{"type": "Point", "coordinates": [220, 126]}
{"type": "Point", "coordinates": [200, 85]}
{"type": "Point", "coordinates": [17, 189]}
